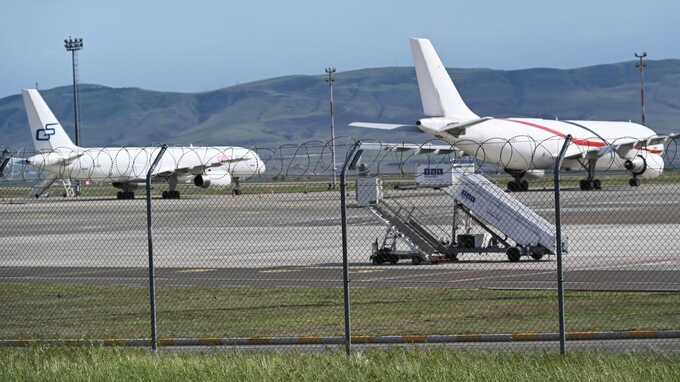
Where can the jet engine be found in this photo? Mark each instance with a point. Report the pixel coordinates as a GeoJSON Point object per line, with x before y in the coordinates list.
{"type": "Point", "coordinates": [212, 180]}
{"type": "Point", "coordinates": [645, 166]}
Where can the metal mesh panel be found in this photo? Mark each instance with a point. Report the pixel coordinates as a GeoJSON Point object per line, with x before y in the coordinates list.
{"type": "Point", "coordinates": [264, 258]}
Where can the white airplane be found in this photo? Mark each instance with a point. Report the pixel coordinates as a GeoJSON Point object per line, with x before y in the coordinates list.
{"type": "Point", "coordinates": [126, 167]}
{"type": "Point", "coordinates": [524, 147]}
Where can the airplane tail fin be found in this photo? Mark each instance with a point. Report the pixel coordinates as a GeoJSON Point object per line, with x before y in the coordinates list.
{"type": "Point", "coordinates": [47, 133]}
{"type": "Point", "coordinates": [438, 93]}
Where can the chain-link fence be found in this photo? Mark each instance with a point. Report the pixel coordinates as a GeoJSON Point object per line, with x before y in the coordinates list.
{"type": "Point", "coordinates": [258, 258]}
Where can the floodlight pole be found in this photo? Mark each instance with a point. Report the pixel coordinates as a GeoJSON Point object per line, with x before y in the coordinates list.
{"type": "Point", "coordinates": [73, 45]}
{"type": "Point", "coordinates": [558, 245]}
{"type": "Point", "coordinates": [642, 65]}
{"type": "Point", "coordinates": [331, 81]}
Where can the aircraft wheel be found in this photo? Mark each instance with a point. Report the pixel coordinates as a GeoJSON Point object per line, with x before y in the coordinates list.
{"type": "Point", "coordinates": [394, 260]}
{"type": "Point", "coordinates": [512, 186]}
{"type": "Point", "coordinates": [597, 185]}
{"type": "Point", "coordinates": [119, 195]}
{"type": "Point", "coordinates": [415, 260]}
{"type": "Point", "coordinates": [585, 185]}
{"type": "Point", "coordinates": [524, 185]}
{"type": "Point", "coordinates": [164, 194]}
{"type": "Point", "coordinates": [377, 260]}
{"type": "Point", "coordinates": [634, 182]}
{"type": "Point", "coordinates": [513, 254]}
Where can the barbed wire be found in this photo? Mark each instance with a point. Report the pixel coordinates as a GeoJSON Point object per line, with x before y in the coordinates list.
{"type": "Point", "coordinates": [313, 159]}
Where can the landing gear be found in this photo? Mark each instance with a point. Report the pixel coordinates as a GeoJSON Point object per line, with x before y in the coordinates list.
{"type": "Point", "coordinates": [634, 182]}
{"type": "Point", "coordinates": [172, 194]}
{"type": "Point", "coordinates": [518, 183]}
{"type": "Point", "coordinates": [590, 183]}
{"type": "Point", "coordinates": [514, 186]}
{"type": "Point", "coordinates": [236, 188]}
{"type": "Point", "coordinates": [125, 195]}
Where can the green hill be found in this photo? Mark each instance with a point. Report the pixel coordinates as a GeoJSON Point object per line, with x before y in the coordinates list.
{"type": "Point", "coordinates": [294, 109]}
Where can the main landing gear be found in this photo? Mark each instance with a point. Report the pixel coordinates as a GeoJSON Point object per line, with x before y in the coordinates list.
{"type": "Point", "coordinates": [590, 183]}
{"type": "Point", "coordinates": [125, 195]}
{"type": "Point", "coordinates": [518, 183]}
{"type": "Point", "coordinates": [172, 193]}
{"type": "Point", "coordinates": [126, 192]}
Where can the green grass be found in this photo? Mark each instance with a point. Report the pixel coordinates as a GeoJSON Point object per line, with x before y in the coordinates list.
{"type": "Point", "coordinates": [100, 364]}
{"type": "Point", "coordinates": [81, 311]}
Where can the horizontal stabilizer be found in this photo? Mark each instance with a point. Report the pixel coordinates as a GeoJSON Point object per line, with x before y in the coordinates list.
{"type": "Point", "coordinates": [387, 126]}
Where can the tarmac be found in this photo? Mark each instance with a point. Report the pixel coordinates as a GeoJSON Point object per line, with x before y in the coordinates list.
{"type": "Point", "coordinates": [619, 239]}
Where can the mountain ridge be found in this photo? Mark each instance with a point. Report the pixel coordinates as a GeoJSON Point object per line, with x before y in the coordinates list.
{"type": "Point", "coordinates": [294, 109]}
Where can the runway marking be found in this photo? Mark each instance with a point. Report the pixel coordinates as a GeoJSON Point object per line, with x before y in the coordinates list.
{"type": "Point", "coordinates": [197, 270]}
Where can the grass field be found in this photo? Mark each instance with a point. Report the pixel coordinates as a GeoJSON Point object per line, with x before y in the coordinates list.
{"type": "Point", "coordinates": [83, 311]}
{"type": "Point", "coordinates": [99, 364]}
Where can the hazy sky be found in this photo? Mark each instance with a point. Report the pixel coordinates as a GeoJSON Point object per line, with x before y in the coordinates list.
{"type": "Point", "coordinates": [202, 45]}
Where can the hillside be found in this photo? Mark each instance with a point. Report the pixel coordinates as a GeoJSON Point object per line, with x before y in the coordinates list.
{"type": "Point", "coordinates": [295, 108]}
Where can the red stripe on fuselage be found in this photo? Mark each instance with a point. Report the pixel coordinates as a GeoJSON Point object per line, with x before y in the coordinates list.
{"type": "Point", "coordinates": [580, 142]}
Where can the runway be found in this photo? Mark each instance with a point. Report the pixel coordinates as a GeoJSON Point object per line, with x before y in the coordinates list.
{"type": "Point", "coordinates": [619, 239]}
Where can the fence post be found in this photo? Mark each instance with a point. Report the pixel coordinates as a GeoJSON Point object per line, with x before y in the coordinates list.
{"type": "Point", "coordinates": [345, 262]}
{"type": "Point", "coordinates": [558, 243]}
{"type": "Point", "coordinates": [152, 277]}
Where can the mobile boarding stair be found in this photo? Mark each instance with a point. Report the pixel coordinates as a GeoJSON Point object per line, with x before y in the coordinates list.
{"type": "Point", "coordinates": [511, 227]}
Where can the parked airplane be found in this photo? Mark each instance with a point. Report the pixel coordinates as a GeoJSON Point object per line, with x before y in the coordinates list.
{"type": "Point", "coordinates": [527, 146]}
{"type": "Point", "coordinates": [126, 167]}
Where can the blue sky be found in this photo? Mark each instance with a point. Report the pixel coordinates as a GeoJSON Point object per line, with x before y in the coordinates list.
{"type": "Point", "coordinates": [202, 45]}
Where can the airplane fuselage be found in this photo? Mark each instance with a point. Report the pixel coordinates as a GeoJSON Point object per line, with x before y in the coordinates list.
{"type": "Point", "coordinates": [130, 164]}
{"type": "Point", "coordinates": [532, 143]}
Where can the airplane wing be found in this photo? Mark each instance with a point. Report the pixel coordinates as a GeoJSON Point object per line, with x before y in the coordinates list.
{"type": "Point", "coordinates": [457, 129]}
{"type": "Point", "coordinates": [453, 128]}
{"type": "Point", "coordinates": [409, 128]}
{"type": "Point", "coordinates": [402, 147]}
{"type": "Point", "coordinates": [191, 166]}
{"type": "Point", "coordinates": [625, 150]}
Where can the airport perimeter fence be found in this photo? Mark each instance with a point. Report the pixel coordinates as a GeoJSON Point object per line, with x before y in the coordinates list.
{"type": "Point", "coordinates": [262, 263]}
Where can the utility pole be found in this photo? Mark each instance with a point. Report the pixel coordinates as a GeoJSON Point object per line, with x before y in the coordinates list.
{"type": "Point", "coordinates": [642, 65]}
{"type": "Point", "coordinates": [331, 81]}
{"type": "Point", "coordinates": [73, 45]}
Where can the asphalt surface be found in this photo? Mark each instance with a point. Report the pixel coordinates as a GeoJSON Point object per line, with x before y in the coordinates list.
{"type": "Point", "coordinates": [619, 239]}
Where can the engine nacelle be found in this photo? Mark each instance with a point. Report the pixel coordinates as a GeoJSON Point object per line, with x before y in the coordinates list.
{"type": "Point", "coordinates": [645, 166]}
{"type": "Point", "coordinates": [212, 180]}
{"type": "Point", "coordinates": [535, 174]}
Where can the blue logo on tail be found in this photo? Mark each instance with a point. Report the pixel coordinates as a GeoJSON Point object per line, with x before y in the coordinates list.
{"type": "Point", "coordinates": [46, 133]}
